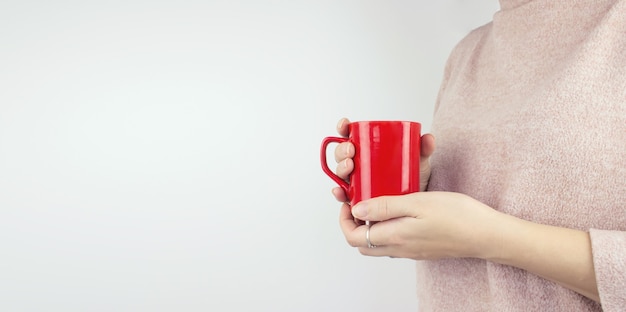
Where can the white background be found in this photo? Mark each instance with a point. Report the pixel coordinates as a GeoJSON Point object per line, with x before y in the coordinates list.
{"type": "Point", "coordinates": [164, 155]}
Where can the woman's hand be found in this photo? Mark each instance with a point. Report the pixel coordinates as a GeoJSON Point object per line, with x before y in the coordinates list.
{"type": "Point", "coordinates": [436, 225]}
{"type": "Point", "coordinates": [343, 156]}
{"type": "Point", "coordinates": [428, 225]}
{"type": "Point", "coordinates": [345, 151]}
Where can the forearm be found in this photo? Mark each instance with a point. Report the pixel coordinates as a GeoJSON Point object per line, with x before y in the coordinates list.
{"type": "Point", "coordinates": [558, 254]}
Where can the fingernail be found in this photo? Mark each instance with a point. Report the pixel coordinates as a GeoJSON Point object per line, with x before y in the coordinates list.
{"type": "Point", "coordinates": [344, 163]}
{"type": "Point", "coordinates": [360, 210]}
{"type": "Point", "coordinates": [348, 148]}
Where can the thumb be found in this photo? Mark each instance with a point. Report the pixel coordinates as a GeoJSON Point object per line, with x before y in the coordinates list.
{"type": "Point", "coordinates": [427, 149]}
{"type": "Point", "coordinates": [383, 208]}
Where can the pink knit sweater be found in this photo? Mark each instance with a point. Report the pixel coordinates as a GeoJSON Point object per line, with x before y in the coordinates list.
{"type": "Point", "coordinates": [531, 120]}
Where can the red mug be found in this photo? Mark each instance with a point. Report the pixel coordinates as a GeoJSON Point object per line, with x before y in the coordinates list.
{"type": "Point", "coordinates": [386, 159]}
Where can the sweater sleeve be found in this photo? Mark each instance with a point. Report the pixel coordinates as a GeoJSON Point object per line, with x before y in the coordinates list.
{"type": "Point", "coordinates": [609, 260]}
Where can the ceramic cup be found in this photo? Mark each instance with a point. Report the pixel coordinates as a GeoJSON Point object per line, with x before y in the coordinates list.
{"type": "Point", "coordinates": [386, 159]}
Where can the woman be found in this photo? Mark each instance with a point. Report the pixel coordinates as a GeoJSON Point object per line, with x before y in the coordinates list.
{"type": "Point", "coordinates": [525, 202]}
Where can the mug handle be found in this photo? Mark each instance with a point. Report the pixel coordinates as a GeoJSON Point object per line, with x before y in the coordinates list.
{"type": "Point", "coordinates": [342, 183]}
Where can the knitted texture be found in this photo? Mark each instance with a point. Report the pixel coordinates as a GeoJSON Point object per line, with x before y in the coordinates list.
{"type": "Point", "coordinates": [531, 120]}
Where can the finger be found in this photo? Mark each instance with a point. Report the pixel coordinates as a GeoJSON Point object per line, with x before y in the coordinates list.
{"type": "Point", "coordinates": [354, 233]}
{"type": "Point", "coordinates": [428, 145]}
{"type": "Point", "coordinates": [379, 238]}
{"type": "Point", "coordinates": [359, 221]}
{"type": "Point", "coordinates": [386, 207]}
{"type": "Point", "coordinates": [339, 194]}
{"type": "Point", "coordinates": [345, 168]}
{"type": "Point", "coordinates": [426, 150]}
{"type": "Point", "coordinates": [343, 151]}
{"type": "Point", "coordinates": [343, 127]}
{"type": "Point", "coordinates": [379, 251]}
{"type": "Point", "coordinates": [390, 232]}
{"type": "Point", "coordinates": [353, 229]}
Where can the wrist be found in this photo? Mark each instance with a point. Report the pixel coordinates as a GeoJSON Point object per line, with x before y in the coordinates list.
{"type": "Point", "coordinates": [490, 230]}
{"type": "Point", "coordinates": [498, 243]}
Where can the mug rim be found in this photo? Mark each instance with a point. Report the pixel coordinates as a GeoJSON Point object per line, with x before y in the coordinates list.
{"type": "Point", "coordinates": [385, 121]}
